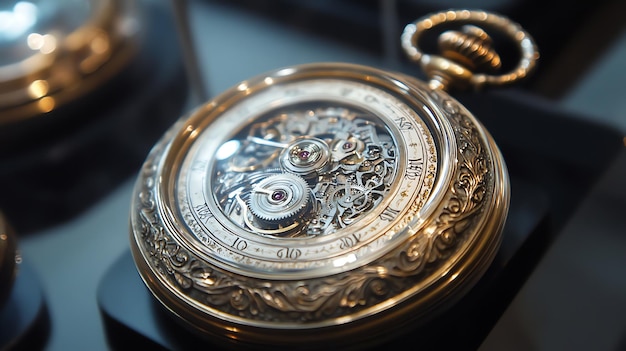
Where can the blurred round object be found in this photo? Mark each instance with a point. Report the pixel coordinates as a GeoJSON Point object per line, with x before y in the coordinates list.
{"type": "Point", "coordinates": [54, 51]}
{"type": "Point", "coordinates": [86, 87]}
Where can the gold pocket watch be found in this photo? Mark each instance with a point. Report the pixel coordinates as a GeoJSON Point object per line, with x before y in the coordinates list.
{"type": "Point", "coordinates": [329, 204]}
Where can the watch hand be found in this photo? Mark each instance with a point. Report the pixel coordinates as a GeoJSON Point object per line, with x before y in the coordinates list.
{"type": "Point", "coordinates": [265, 142]}
{"type": "Point", "coordinates": [259, 189]}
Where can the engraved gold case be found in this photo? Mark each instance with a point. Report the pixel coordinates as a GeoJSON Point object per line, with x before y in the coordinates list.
{"type": "Point", "coordinates": [328, 204]}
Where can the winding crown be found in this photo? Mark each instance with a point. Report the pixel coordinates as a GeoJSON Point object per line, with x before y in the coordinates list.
{"type": "Point", "coordinates": [470, 47]}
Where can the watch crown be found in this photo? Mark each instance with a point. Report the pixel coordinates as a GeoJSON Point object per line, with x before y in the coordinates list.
{"type": "Point", "coordinates": [471, 48]}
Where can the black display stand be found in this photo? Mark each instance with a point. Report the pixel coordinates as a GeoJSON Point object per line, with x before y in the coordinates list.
{"type": "Point", "coordinates": [56, 166]}
{"type": "Point", "coordinates": [560, 152]}
{"type": "Point", "coordinates": [554, 158]}
{"type": "Point", "coordinates": [24, 320]}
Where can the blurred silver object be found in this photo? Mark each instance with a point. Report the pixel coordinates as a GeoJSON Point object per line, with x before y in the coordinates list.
{"type": "Point", "coordinates": [53, 52]}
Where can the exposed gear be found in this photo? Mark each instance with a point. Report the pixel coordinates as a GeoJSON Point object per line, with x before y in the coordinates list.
{"type": "Point", "coordinates": [305, 156]}
{"type": "Point", "coordinates": [348, 150]}
{"type": "Point", "coordinates": [352, 197]}
{"type": "Point", "coordinates": [279, 197]}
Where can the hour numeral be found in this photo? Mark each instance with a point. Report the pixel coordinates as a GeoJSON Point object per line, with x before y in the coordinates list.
{"type": "Point", "coordinates": [370, 98]}
{"type": "Point", "coordinates": [404, 123]}
{"type": "Point", "coordinates": [240, 244]}
{"type": "Point", "coordinates": [203, 212]}
{"type": "Point", "coordinates": [346, 91]}
{"type": "Point", "coordinates": [348, 242]}
{"type": "Point", "coordinates": [289, 253]}
{"type": "Point", "coordinates": [414, 168]}
{"type": "Point", "coordinates": [389, 214]}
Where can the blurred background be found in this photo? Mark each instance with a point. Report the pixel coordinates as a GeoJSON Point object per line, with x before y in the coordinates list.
{"type": "Point", "coordinates": [67, 169]}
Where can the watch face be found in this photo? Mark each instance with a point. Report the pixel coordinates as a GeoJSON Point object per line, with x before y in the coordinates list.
{"type": "Point", "coordinates": [315, 203]}
{"type": "Point", "coordinates": [305, 178]}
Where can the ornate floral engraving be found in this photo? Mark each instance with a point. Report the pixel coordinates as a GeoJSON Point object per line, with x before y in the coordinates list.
{"type": "Point", "coordinates": [317, 299]}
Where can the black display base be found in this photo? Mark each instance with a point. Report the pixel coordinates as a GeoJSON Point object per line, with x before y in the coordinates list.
{"type": "Point", "coordinates": [562, 153]}
{"type": "Point", "coordinates": [24, 320]}
{"type": "Point", "coordinates": [55, 166]}
{"type": "Point", "coordinates": [132, 318]}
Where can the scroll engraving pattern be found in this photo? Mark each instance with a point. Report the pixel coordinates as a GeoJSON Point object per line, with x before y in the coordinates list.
{"type": "Point", "coordinates": [467, 193]}
{"type": "Point", "coordinates": [322, 298]}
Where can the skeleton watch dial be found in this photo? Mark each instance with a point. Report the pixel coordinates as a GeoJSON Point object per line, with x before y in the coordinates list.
{"type": "Point", "coordinates": [309, 174]}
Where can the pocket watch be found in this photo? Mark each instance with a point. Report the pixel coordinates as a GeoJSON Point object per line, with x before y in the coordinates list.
{"type": "Point", "coordinates": [330, 203]}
